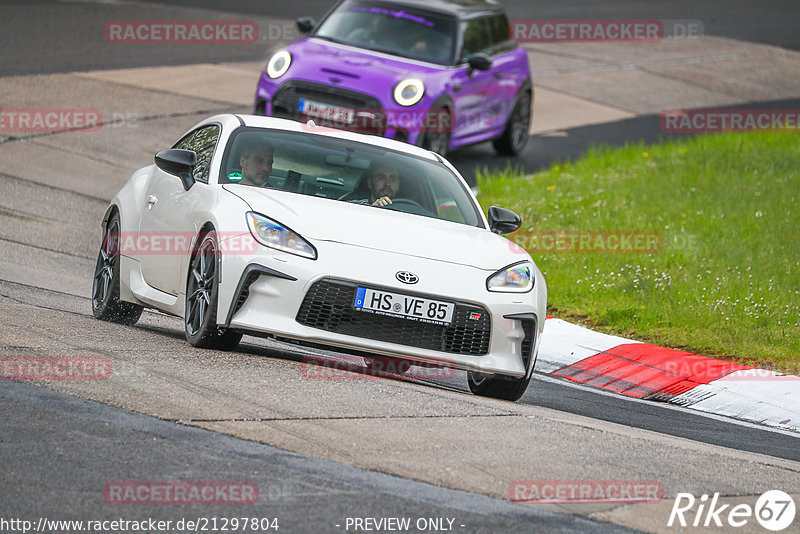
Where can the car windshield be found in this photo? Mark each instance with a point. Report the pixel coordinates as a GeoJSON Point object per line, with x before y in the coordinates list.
{"type": "Point", "coordinates": [403, 32]}
{"type": "Point", "coordinates": [346, 171]}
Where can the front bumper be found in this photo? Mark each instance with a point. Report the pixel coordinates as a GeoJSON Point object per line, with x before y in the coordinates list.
{"type": "Point", "coordinates": [264, 293]}
{"type": "Point", "coordinates": [372, 116]}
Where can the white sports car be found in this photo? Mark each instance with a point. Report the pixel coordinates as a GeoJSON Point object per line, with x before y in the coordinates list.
{"type": "Point", "coordinates": [263, 226]}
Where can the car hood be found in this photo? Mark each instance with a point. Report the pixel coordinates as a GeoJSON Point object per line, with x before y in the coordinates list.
{"type": "Point", "coordinates": [382, 229]}
{"type": "Point", "coordinates": [339, 65]}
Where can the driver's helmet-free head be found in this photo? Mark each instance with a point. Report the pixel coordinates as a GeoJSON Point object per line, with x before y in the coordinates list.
{"type": "Point", "coordinates": [245, 147]}
{"type": "Point", "coordinates": [384, 163]}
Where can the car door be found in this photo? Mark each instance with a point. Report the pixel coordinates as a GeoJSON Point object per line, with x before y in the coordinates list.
{"type": "Point", "coordinates": [509, 71]}
{"type": "Point", "coordinates": [166, 228]}
{"type": "Point", "coordinates": [473, 90]}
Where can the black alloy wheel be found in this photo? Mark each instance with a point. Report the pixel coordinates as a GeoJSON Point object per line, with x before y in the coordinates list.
{"type": "Point", "coordinates": [515, 136]}
{"type": "Point", "coordinates": [106, 303]}
{"type": "Point", "coordinates": [202, 293]}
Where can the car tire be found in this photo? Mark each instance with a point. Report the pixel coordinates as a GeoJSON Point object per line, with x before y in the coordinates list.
{"type": "Point", "coordinates": [497, 387]}
{"type": "Point", "coordinates": [438, 140]}
{"type": "Point", "coordinates": [515, 135]}
{"type": "Point", "coordinates": [385, 365]}
{"type": "Point", "coordinates": [106, 304]}
{"type": "Point", "coordinates": [202, 293]}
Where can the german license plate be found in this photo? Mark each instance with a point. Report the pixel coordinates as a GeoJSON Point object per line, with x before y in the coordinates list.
{"type": "Point", "coordinates": [404, 306]}
{"type": "Point", "coordinates": [326, 111]}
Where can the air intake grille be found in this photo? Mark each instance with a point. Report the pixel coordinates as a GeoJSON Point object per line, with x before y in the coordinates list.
{"type": "Point", "coordinates": [329, 306]}
{"type": "Point", "coordinates": [287, 98]}
{"type": "Point", "coordinates": [529, 327]}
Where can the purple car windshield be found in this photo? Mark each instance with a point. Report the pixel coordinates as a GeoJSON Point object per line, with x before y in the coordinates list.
{"type": "Point", "coordinates": [408, 33]}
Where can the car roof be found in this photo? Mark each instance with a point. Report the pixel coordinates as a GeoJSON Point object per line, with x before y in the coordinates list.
{"type": "Point", "coordinates": [463, 9]}
{"type": "Point", "coordinates": [260, 121]}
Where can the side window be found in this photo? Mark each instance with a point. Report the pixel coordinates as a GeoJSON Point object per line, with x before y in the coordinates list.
{"type": "Point", "coordinates": [477, 37]}
{"type": "Point", "coordinates": [202, 142]}
{"type": "Point", "coordinates": [446, 204]}
{"type": "Point", "coordinates": [501, 35]}
{"type": "Point", "coordinates": [499, 27]}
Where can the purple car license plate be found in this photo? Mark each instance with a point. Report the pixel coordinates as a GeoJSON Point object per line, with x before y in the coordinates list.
{"type": "Point", "coordinates": [404, 306]}
{"type": "Point", "coordinates": [326, 111]}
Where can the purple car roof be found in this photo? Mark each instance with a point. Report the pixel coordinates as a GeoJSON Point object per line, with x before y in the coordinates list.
{"type": "Point", "coordinates": [462, 9]}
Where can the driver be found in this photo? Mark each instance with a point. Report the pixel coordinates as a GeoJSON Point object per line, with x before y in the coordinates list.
{"type": "Point", "coordinates": [255, 161]}
{"type": "Point", "coordinates": [383, 181]}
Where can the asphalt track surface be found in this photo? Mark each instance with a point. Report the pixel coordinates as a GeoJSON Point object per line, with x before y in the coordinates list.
{"type": "Point", "coordinates": [746, 20]}
{"type": "Point", "coordinates": [55, 44]}
{"type": "Point", "coordinates": [56, 449]}
{"type": "Point", "coordinates": [79, 446]}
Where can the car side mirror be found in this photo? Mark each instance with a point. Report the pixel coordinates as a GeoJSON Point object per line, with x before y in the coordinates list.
{"type": "Point", "coordinates": [479, 62]}
{"type": "Point", "coordinates": [178, 163]}
{"type": "Point", "coordinates": [305, 24]}
{"type": "Point", "coordinates": [503, 221]}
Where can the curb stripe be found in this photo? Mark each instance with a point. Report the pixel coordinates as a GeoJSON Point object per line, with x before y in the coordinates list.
{"type": "Point", "coordinates": [643, 370]}
{"type": "Point", "coordinates": [654, 373]}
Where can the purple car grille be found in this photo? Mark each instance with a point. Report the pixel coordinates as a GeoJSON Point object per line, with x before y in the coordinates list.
{"type": "Point", "coordinates": [329, 306]}
{"type": "Point", "coordinates": [287, 98]}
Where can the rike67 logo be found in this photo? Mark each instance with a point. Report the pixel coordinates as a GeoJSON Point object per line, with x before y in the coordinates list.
{"type": "Point", "coordinates": [774, 510]}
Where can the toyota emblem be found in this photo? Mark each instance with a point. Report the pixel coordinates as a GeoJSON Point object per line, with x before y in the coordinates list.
{"type": "Point", "coordinates": [407, 277]}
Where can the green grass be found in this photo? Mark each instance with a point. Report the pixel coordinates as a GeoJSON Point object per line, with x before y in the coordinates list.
{"type": "Point", "coordinates": [727, 281]}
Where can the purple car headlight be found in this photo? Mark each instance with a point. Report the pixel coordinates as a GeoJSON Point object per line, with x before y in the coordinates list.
{"type": "Point", "coordinates": [278, 64]}
{"type": "Point", "coordinates": [409, 91]}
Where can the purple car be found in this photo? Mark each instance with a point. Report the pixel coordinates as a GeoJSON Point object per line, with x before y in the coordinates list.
{"type": "Point", "coordinates": [435, 73]}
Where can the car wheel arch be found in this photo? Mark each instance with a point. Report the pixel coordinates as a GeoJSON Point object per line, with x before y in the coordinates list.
{"type": "Point", "coordinates": [505, 143]}
{"type": "Point", "coordinates": [205, 228]}
{"type": "Point", "coordinates": [525, 87]}
{"type": "Point", "coordinates": [110, 211]}
{"type": "Point", "coordinates": [445, 102]}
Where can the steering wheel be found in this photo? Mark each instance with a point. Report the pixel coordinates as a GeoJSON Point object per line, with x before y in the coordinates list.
{"type": "Point", "coordinates": [406, 205]}
{"type": "Point", "coordinates": [405, 201]}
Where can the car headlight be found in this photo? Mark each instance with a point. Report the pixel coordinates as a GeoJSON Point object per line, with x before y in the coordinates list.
{"type": "Point", "coordinates": [517, 278]}
{"type": "Point", "coordinates": [273, 234]}
{"type": "Point", "coordinates": [278, 64]}
{"type": "Point", "coordinates": [409, 92]}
